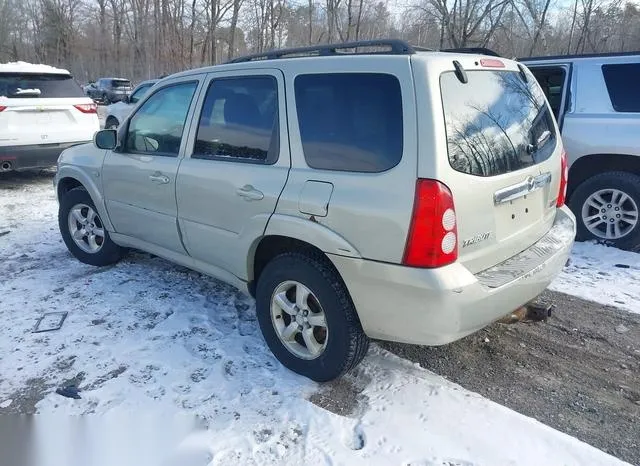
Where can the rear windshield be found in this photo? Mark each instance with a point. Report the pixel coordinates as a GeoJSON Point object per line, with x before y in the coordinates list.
{"type": "Point", "coordinates": [121, 83]}
{"type": "Point", "coordinates": [496, 123]}
{"type": "Point", "coordinates": [20, 86]}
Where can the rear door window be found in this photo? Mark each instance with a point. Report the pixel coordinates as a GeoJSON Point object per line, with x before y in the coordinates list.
{"type": "Point", "coordinates": [350, 121]}
{"type": "Point", "coordinates": [622, 84]}
{"type": "Point", "coordinates": [496, 123]}
{"type": "Point", "coordinates": [239, 121]}
{"type": "Point", "coordinates": [28, 85]}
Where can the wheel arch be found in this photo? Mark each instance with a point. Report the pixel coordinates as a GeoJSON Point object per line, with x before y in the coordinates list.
{"type": "Point", "coordinates": [69, 177]}
{"type": "Point", "coordinates": [590, 165]}
{"type": "Point", "coordinates": [294, 234]}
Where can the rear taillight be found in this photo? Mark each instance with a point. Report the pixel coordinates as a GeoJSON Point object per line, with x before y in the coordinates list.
{"type": "Point", "coordinates": [564, 176]}
{"type": "Point", "coordinates": [87, 108]}
{"type": "Point", "coordinates": [433, 234]}
{"type": "Point", "coordinates": [2, 107]}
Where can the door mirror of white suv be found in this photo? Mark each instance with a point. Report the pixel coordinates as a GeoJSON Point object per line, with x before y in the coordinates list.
{"type": "Point", "coordinates": [106, 139]}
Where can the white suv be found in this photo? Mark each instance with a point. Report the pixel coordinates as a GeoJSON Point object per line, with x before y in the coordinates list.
{"type": "Point", "coordinates": [43, 111]}
{"type": "Point", "coordinates": [398, 194]}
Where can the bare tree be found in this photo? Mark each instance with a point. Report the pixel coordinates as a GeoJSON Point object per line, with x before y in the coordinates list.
{"type": "Point", "coordinates": [147, 38]}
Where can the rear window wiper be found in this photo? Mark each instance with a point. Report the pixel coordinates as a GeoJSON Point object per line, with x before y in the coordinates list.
{"type": "Point", "coordinates": [27, 92]}
{"type": "Point", "coordinates": [544, 137]}
{"type": "Point", "coordinates": [538, 143]}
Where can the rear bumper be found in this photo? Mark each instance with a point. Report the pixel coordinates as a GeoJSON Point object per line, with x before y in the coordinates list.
{"type": "Point", "coordinates": [33, 156]}
{"type": "Point", "coordinates": [438, 306]}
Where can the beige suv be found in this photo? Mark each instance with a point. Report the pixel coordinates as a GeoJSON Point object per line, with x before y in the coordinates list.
{"type": "Point", "coordinates": [362, 190]}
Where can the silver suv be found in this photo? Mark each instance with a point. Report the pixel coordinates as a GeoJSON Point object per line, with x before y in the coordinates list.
{"type": "Point", "coordinates": [363, 190]}
{"type": "Point", "coordinates": [596, 101]}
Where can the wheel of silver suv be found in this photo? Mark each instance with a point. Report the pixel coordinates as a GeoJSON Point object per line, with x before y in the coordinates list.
{"type": "Point", "coordinates": [610, 214]}
{"type": "Point", "coordinates": [83, 231]}
{"type": "Point", "coordinates": [607, 207]}
{"type": "Point", "coordinates": [299, 320]}
{"type": "Point", "coordinates": [86, 228]}
{"type": "Point", "coordinates": [307, 318]}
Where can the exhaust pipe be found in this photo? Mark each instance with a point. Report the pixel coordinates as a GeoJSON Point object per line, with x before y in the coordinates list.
{"type": "Point", "coordinates": [535, 311]}
{"type": "Point", "coordinates": [5, 166]}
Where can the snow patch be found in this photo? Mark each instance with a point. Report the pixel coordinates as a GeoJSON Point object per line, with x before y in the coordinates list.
{"type": "Point", "coordinates": [602, 274]}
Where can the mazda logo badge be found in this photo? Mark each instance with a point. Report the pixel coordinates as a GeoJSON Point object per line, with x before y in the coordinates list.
{"type": "Point", "coordinates": [531, 183]}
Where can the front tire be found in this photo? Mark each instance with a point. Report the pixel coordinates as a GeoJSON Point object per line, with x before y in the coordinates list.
{"type": "Point", "coordinates": [83, 231]}
{"type": "Point", "coordinates": [307, 317]}
{"type": "Point", "coordinates": [607, 208]}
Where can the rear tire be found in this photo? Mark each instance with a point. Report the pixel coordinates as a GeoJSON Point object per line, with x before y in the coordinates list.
{"type": "Point", "coordinates": [331, 353]}
{"type": "Point", "coordinates": [607, 207]}
{"type": "Point", "coordinates": [83, 231]}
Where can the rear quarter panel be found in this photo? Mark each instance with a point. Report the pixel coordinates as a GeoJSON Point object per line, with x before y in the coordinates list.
{"type": "Point", "coordinates": [369, 212]}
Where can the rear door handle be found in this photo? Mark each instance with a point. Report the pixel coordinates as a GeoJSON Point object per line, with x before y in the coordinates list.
{"type": "Point", "coordinates": [250, 193]}
{"type": "Point", "coordinates": [159, 179]}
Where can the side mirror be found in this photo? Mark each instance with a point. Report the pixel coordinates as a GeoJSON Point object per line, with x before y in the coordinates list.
{"type": "Point", "coordinates": [106, 139]}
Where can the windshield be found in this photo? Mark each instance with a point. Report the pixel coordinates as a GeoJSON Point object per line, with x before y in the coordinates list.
{"type": "Point", "coordinates": [26, 85]}
{"type": "Point", "coordinates": [496, 123]}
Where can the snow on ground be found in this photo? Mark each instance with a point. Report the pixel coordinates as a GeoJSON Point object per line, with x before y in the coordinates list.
{"type": "Point", "coordinates": [145, 336]}
{"type": "Point", "coordinates": [602, 274]}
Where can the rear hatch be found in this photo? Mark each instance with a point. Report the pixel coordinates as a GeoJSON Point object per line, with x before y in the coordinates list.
{"type": "Point", "coordinates": [44, 108]}
{"type": "Point", "coordinates": [504, 159]}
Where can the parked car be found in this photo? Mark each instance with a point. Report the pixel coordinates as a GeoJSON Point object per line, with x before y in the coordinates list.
{"type": "Point", "coordinates": [42, 112]}
{"type": "Point", "coordinates": [596, 101]}
{"type": "Point", "coordinates": [116, 113]}
{"type": "Point", "coordinates": [394, 193]}
{"type": "Point", "coordinates": [109, 90]}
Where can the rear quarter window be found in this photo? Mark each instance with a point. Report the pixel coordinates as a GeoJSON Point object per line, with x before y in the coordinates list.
{"type": "Point", "coordinates": [350, 121]}
{"type": "Point", "coordinates": [622, 84]}
{"type": "Point", "coordinates": [496, 123]}
{"type": "Point", "coordinates": [20, 86]}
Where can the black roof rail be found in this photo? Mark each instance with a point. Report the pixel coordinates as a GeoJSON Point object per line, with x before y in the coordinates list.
{"type": "Point", "coordinates": [475, 50]}
{"type": "Point", "coordinates": [395, 46]}
{"type": "Point", "coordinates": [585, 55]}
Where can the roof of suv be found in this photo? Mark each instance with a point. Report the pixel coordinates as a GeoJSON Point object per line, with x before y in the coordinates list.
{"type": "Point", "coordinates": [24, 67]}
{"type": "Point", "coordinates": [601, 57]}
{"type": "Point", "coordinates": [394, 47]}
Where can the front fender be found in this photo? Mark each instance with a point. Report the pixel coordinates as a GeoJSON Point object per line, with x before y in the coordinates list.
{"type": "Point", "coordinates": [87, 174]}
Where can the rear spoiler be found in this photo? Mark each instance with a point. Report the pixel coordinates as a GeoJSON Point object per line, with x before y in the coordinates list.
{"type": "Point", "coordinates": [474, 50]}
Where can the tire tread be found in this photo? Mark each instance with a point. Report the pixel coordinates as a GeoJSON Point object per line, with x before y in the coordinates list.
{"type": "Point", "coordinates": [357, 340]}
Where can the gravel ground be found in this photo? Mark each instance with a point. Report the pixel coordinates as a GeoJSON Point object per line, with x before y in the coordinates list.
{"type": "Point", "coordinates": [576, 372]}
